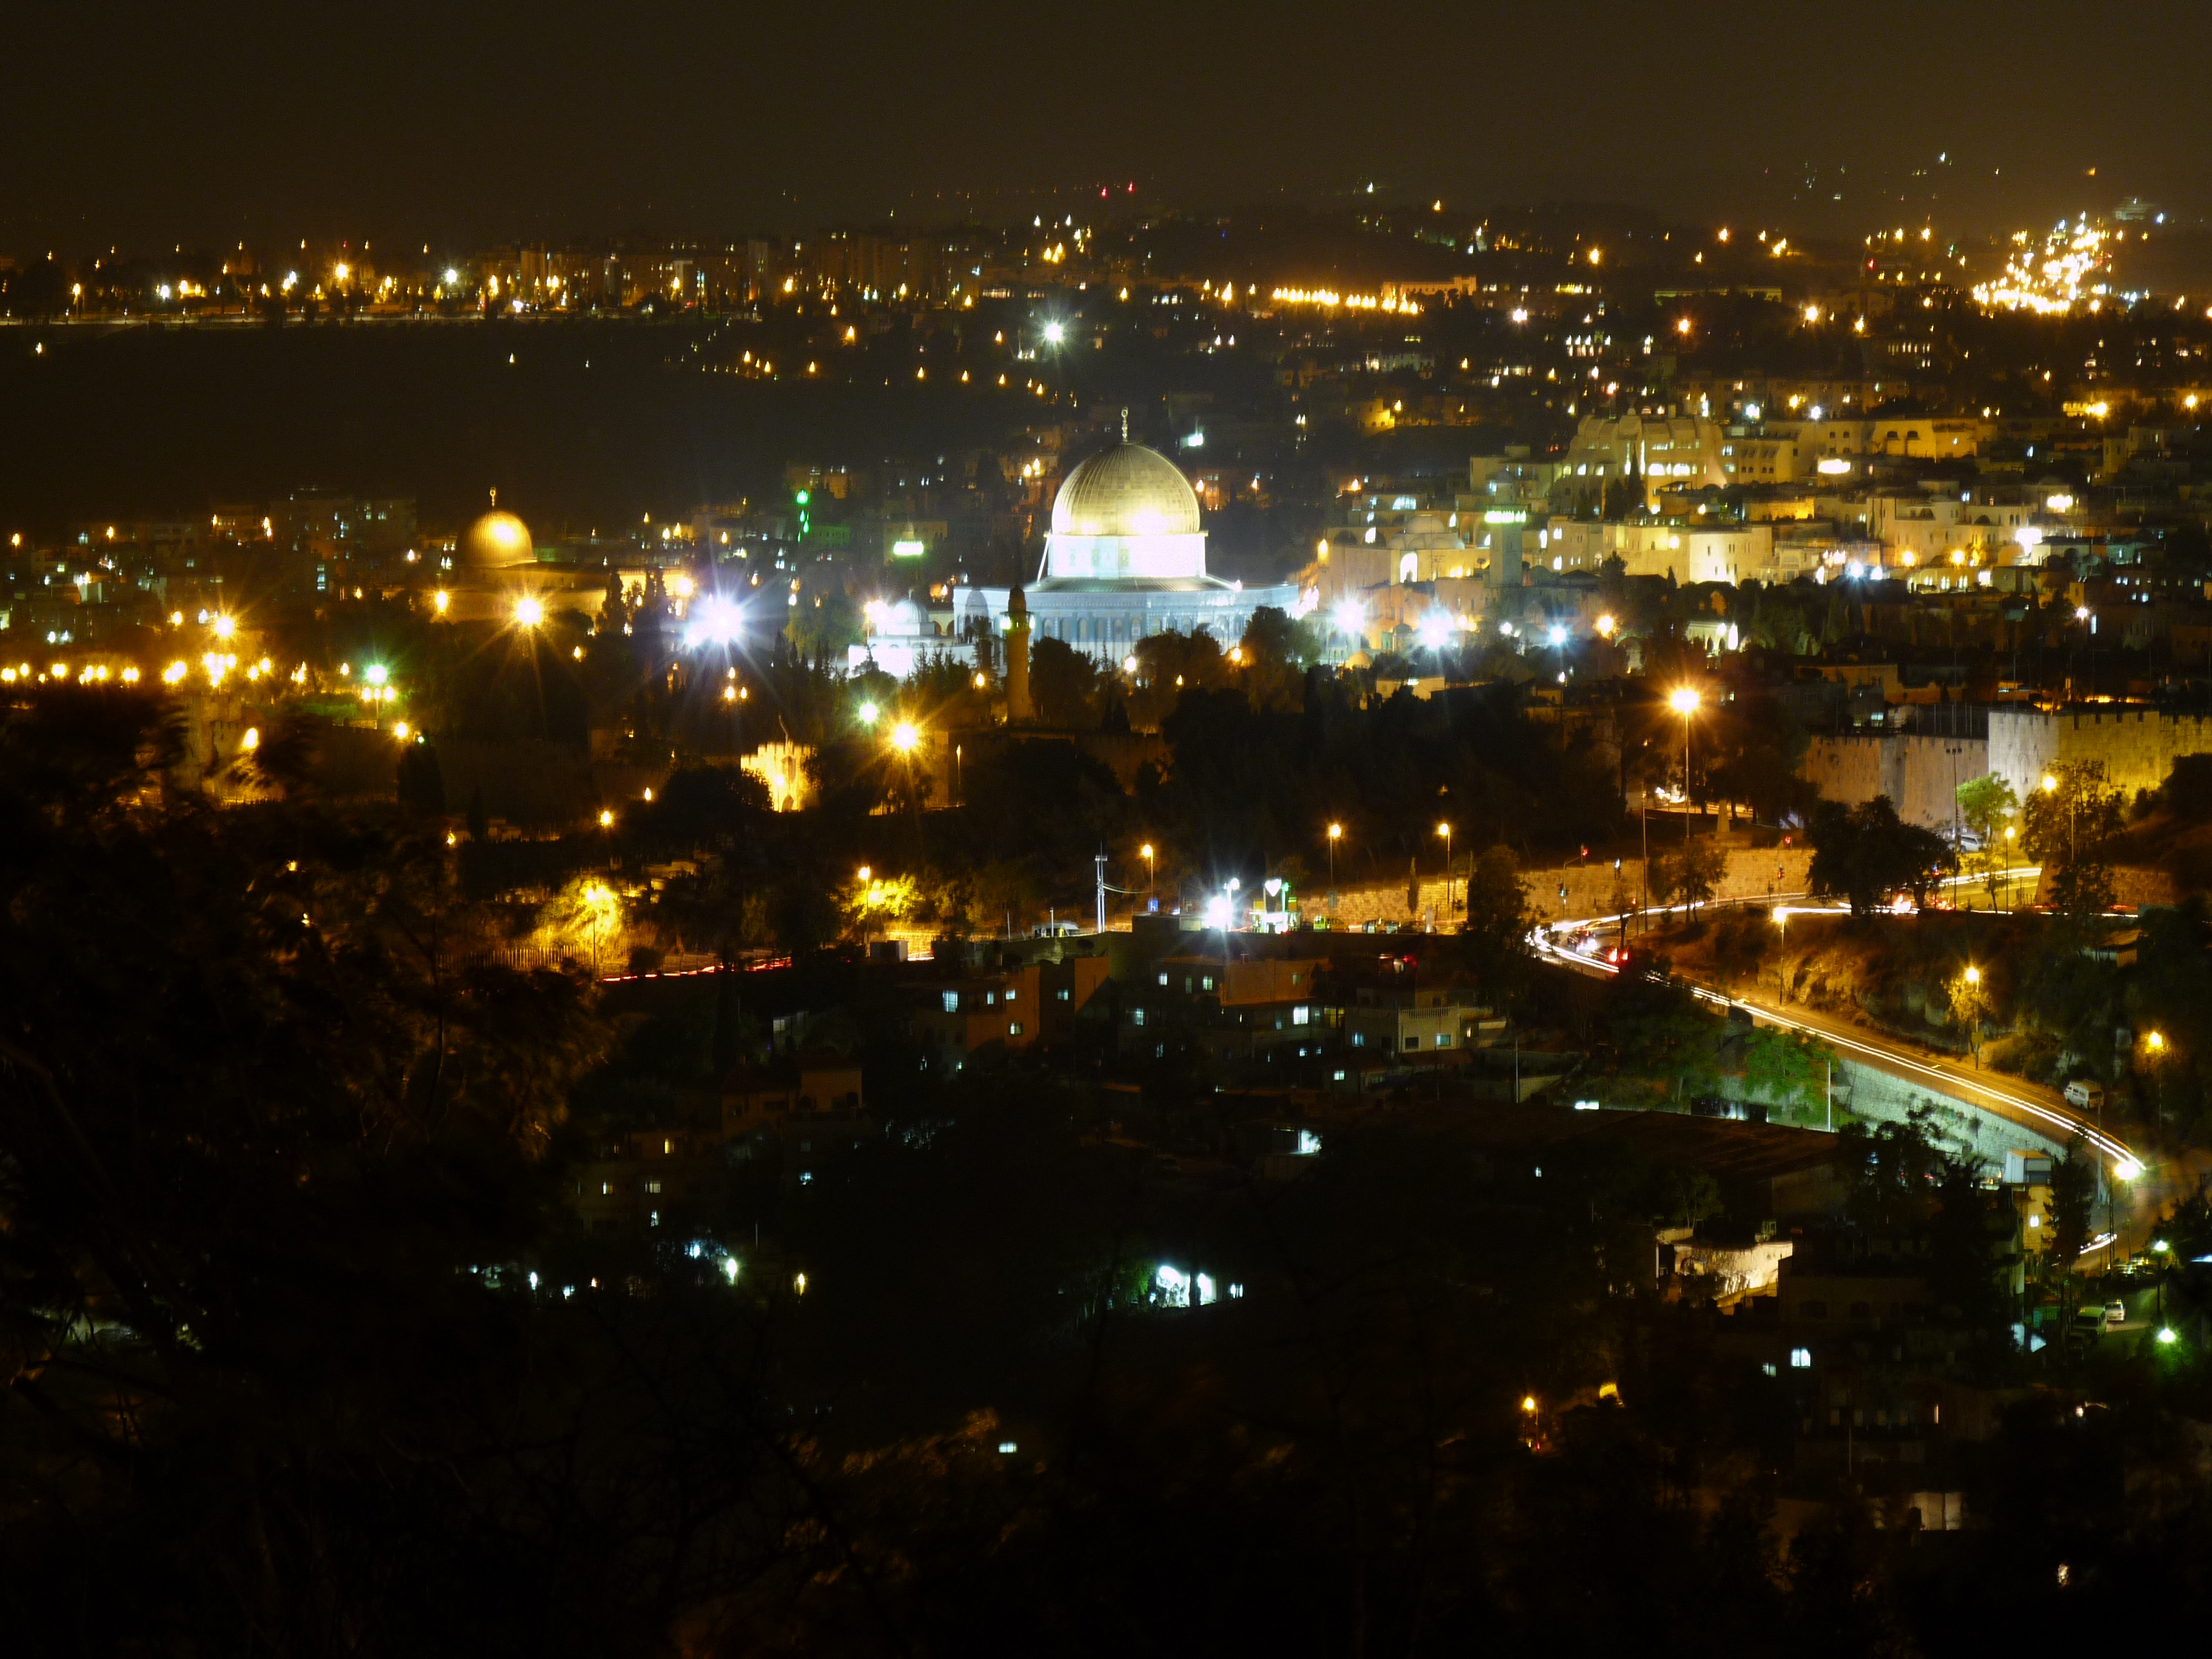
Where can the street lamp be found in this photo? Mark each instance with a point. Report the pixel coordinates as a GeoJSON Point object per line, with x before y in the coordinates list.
{"type": "Point", "coordinates": [1145, 854]}
{"type": "Point", "coordinates": [1444, 829]}
{"type": "Point", "coordinates": [2155, 1044]}
{"type": "Point", "coordinates": [1782, 921]}
{"type": "Point", "coordinates": [1684, 702]}
{"type": "Point", "coordinates": [1335, 835]}
{"type": "Point", "coordinates": [905, 738]}
{"type": "Point", "coordinates": [1351, 618]}
{"type": "Point", "coordinates": [2050, 787]}
{"type": "Point", "coordinates": [1974, 1012]}
{"type": "Point", "coordinates": [529, 613]}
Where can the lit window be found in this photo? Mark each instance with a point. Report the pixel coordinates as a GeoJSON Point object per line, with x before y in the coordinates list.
{"type": "Point", "coordinates": [1164, 979]}
{"type": "Point", "coordinates": [1801, 1360]}
{"type": "Point", "coordinates": [652, 1186]}
{"type": "Point", "coordinates": [1205, 983]}
{"type": "Point", "coordinates": [1136, 1016]}
{"type": "Point", "coordinates": [952, 1002]}
{"type": "Point", "coordinates": [1014, 1029]}
{"type": "Point", "coordinates": [1298, 1015]}
{"type": "Point", "coordinates": [1444, 1039]}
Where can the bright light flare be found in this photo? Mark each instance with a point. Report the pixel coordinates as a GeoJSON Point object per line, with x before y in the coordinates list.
{"type": "Point", "coordinates": [905, 738]}
{"type": "Point", "coordinates": [715, 620]}
{"type": "Point", "coordinates": [529, 613]}
{"type": "Point", "coordinates": [1684, 700]}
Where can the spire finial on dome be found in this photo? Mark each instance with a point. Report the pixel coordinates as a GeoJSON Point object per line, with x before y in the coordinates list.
{"type": "Point", "coordinates": [1125, 423]}
{"type": "Point", "coordinates": [495, 498]}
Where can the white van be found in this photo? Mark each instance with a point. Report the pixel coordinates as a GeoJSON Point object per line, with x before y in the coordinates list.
{"type": "Point", "coordinates": [2088, 1095]}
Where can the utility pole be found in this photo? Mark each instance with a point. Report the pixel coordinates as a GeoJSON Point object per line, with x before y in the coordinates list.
{"type": "Point", "coordinates": [1954, 749]}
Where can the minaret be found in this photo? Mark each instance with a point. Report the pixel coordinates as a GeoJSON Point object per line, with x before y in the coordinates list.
{"type": "Point", "coordinates": [1018, 711]}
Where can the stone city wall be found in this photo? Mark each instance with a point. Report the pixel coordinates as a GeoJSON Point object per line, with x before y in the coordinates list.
{"type": "Point", "coordinates": [2138, 746]}
{"type": "Point", "coordinates": [1919, 772]}
{"type": "Point", "coordinates": [1591, 888]}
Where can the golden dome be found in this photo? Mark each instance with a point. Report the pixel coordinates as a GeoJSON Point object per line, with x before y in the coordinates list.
{"type": "Point", "coordinates": [496, 539]}
{"type": "Point", "coordinates": [1126, 490]}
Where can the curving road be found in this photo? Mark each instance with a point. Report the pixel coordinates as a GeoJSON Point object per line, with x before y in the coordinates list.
{"type": "Point", "coordinates": [2026, 1104]}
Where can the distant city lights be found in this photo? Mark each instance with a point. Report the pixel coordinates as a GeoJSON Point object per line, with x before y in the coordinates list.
{"type": "Point", "coordinates": [1329, 299]}
{"type": "Point", "coordinates": [2052, 278]}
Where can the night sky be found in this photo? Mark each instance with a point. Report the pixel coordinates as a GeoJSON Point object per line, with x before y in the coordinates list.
{"type": "Point", "coordinates": [143, 125]}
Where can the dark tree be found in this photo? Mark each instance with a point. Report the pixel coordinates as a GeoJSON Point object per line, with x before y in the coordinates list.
{"type": "Point", "coordinates": [1866, 853]}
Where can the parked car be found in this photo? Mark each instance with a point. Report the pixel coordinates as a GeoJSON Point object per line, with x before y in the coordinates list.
{"type": "Point", "coordinates": [2095, 1320]}
{"type": "Point", "coordinates": [2088, 1095]}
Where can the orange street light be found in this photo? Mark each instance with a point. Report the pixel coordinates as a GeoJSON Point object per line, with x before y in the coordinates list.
{"type": "Point", "coordinates": [1684, 702]}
